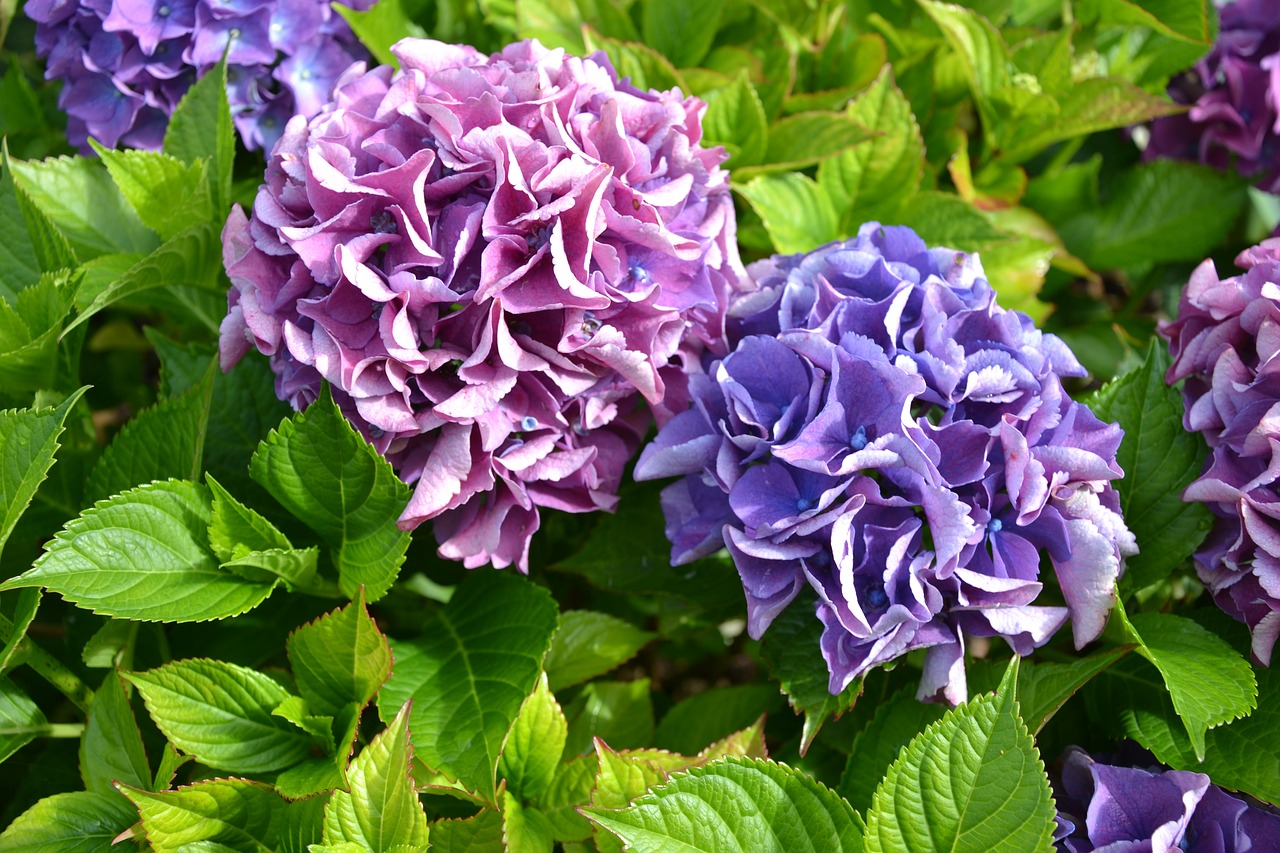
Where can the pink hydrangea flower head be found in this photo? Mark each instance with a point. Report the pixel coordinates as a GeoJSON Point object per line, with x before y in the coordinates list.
{"type": "Point", "coordinates": [498, 263]}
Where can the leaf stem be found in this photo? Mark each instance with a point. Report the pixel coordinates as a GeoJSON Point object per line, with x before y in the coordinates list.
{"type": "Point", "coordinates": [63, 730]}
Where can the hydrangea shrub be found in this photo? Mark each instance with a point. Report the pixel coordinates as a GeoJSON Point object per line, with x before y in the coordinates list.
{"type": "Point", "coordinates": [883, 433]}
{"type": "Point", "coordinates": [125, 64]}
{"type": "Point", "coordinates": [1224, 345]}
{"type": "Point", "coordinates": [499, 263]}
{"type": "Point", "coordinates": [1233, 95]}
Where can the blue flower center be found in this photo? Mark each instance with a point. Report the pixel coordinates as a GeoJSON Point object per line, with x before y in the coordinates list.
{"type": "Point", "coordinates": [639, 275]}
{"type": "Point", "coordinates": [376, 432]}
{"type": "Point", "coordinates": [877, 598]}
{"type": "Point", "coordinates": [859, 438]}
{"type": "Point", "coordinates": [995, 525]}
{"type": "Point", "coordinates": [164, 11]}
{"type": "Point", "coordinates": [802, 504]}
{"type": "Point", "coordinates": [384, 222]}
{"type": "Point", "coordinates": [528, 422]}
{"type": "Point", "coordinates": [538, 239]}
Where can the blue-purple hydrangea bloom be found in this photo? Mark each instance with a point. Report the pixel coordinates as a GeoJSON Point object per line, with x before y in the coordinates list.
{"type": "Point", "coordinates": [1226, 344]}
{"type": "Point", "coordinates": [125, 64]}
{"type": "Point", "coordinates": [1234, 99]}
{"type": "Point", "coordinates": [499, 263]}
{"type": "Point", "coordinates": [1102, 807]}
{"type": "Point", "coordinates": [884, 433]}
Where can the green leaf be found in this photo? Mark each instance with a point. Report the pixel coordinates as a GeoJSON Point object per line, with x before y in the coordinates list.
{"type": "Point", "coordinates": [944, 219]}
{"type": "Point", "coordinates": [381, 27]}
{"type": "Point", "coordinates": [200, 129]}
{"type": "Point", "coordinates": [24, 613]}
{"type": "Point", "coordinates": [51, 249]}
{"type": "Point", "coordinates": [972, 781]}
{"type": "Point", "coordinates": [144, 555]}
{"type": "Point", "coordinates": [20, 719]}
{"type": "Point", "coordinates": [381, 812]}
{"type": "Point", "coordinates": [168, 195]}
{"type": "Point", "coordinates": [525, 829]}
{"type": "Point", "coordinates": [983, 54]}
{"type": "Point", "coordinates": [1189, 21]}
{"type": "Point", "coordinates": [736, 804]}
{"type": "Point", "coordinates": [340, 659]}
{"type": "Point", "coordinates": [161, 442]}
{"type": "Point", "coordinates": [806, 138]}
{"type": "Point", "coordinates": [295, 566]}
{"type": "Point", "coordinates": [1208, 681]}
{"type": "Point", "coordinates": [620, 713]}
{"type": "Point", "coordinates": [28, 442]}
{"type": "Point", "coordinates": [479, 834]}
{"type": "Point", "coordinates": [78, 196]}
{"type": "Point", "coordinates": [111, 749]}
{"type": "Point", "coordinates": [534, 745]}
{"type": "Point", "coordinates": [646, 67]}
{"type": "Point", "coordinates": [1159, 459]}
{"type": "Point", "coordinates": [735, 119]}
{"type": "Point", "coordinates": [329, 477]}
{"type": "Point", "coordinates": [1157, 212]}
{"type": "Point", "coordinates": [1043, 688]}
{"type": "Point", "coordinates": [893, 725]}
{"type": "Point", "coordinates": [222, 714]}
{"type": "Point", "coordinates": [469, 673]}
{"type": "Point", "coordinates": [236, 530]}
{"type": "Point", "coordinates": [679, 30]}
{"type": "Point", "coordinates": [570, 788]}
{"type": "Point", "coordinates": [295, 710]}
{"type": "Point", "coordinates": [871, 181]}
{"type": "Point", "coordinates": [191, 257]}
{"type": "Point", "coordinates": [588, 644]}
{"type": "Point", "coordinates": [29, 329]}
{"type": "Point", "coordinates": [712, 714]}
{"type": "Point", "coordinates": [795, 210]}
{"type": "Point", "coordinates": [222, 815]}
{"type": "Point", "coordinates": [77, 822]}
{"type": "Point", "coordinates": [19, 268]}
{"type": "Point", "coordinates": [787, 649]}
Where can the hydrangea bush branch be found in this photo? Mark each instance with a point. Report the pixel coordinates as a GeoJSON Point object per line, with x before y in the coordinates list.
{"type": "Point", "coordinates": [499, 263]}
{"type": "Point", "coordinates": [884, 433]}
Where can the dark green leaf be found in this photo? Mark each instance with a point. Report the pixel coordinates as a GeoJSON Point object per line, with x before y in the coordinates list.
{"type": "Point", "coordinates": [111, 749]}
{"type": "Point", "coordinates": [892, 727]}
{"type": "Point", "coordinates": [200, 129]}
{"type": "Point", "coordinates": [329, 477]}
{"type": "Point", "coordinates": [469, 673]}
{"type": "Point", "coordinates": [236, 530]}
{"type": "Point", "coordinates": [588, 644]}
{"type": "Point", "coordinates": [708, 716]}
{"type": "Point", "coordinates": [77, 822]}
{"type": "Point", "coordinates": [620, 713]}
{"type": "Point", "coordinates": [20, 719]}
{"type": "Point", "coordinates": [680, 30]}
{"type": "Point", "coordinates": [1159, 459]}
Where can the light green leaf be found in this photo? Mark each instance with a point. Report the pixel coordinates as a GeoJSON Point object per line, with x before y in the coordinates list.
{"type": "Point", "coordinates": [29, 329]}
{"type": "Point", "coordinates": [1208, 681]}
{"type": "Point", "coordinates": [983, 54]}
{"type": "Point", "coordinates": [1043, 688]}
{"type": "Point", "coordinates": [588, 644]}
{"type": "Point", "coordinates": [972, 781]}
{"type": "Point", "coordinates": [144, 555]}
{"type": "Point", "coordinates": [166, 440]}
{"type": "Point", "coordinates": [381, 812]}
{"type": "Point", "coordinates": [534, 745]}
{"type": "Point", "coordinates": [706, 717]}
{"type": "Point", "coordinates": [618, 712]}
{"type": "Point", "coordinates": [787, 649]}
{"type": "Point", "coordinates": [200, 129]}
{"type": "Point", "coordinates": [680, 30]}
{"type": "Point", "coordinates": [340, 659]}
{"type": "Point", "coordinates": [945, 219]}
{"type": "Point", "coordinates": [24, 613]}
{"type": "Point", "coordinates": [893, 725]}
{"type": "Point", "coordinates": [796, 211]}
{"type": "Point", "coordinates": [295, 710]}
{"type": "Point", "coordinates": [51, 249]}
{"type": "Point", "coordinates": [19, 268]}
{"type": "Point", "coordinates": [77, 822]}
{"type": "Point", "coordinates": [221, 814]}
{"type": "Point", "coordinates": [329, 477]}
{"type": "Point", "coordinates": [806, 138]}
{"type": "Point", "coordinates": [469, 673]}
{"type": "Point", "coordinates": [237, 530]}
{"type": "Point", "coordinates": [20, 719]}
{"type": "Point", "coordinates": [78, 196]}
{"type": "Point", "coordinates": [168, 195]}
{"type": "Point", "coordinates": [525, 829]}
{"type": "Point", "coordinates": [1179, 19]}
{"type": "Point", "coordinates": [871, 181]}
{"type": "Point", "coordinates": [736, 804]}
{"type": "Point", "coordinates": [28, 442]}
{"type": "Point", "coordinates": [222, 714]}
{"type": "Point", "coordinates": [111, 748]}
{"type": "Point", "coordinates": [1159, 459]}
{"type": "Point", "coordinates": [646, 67]}
{"type": "Point", "coordinates": [380, 27]}
{"type": "Point", "coordinates": [735, 119]}
{"type": "Point", "coordinates": [570, 788]}
{"type": "Point", "coordinates": [479, 834]}
{"type": "Point", "coordinates": [295, 566]}
{"type": "Point", "coordinates": [328, 771]}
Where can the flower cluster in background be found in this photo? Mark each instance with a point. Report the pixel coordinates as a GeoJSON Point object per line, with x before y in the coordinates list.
{"type": "Point", "coordinates": [1101, 806]}
{"type": "Point", "coordinates": [125, 64]}
{"type": "Point", "coordinates": [1234, 98]}
{"type": "Point", "coordinates": [886, 434]}
{"type": "Point", "coordinates": [1224, 344]}
{"type": "Point", "coordinates": [495, 261]}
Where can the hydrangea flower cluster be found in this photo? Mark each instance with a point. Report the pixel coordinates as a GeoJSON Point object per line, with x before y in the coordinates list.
{"type": "Point", "coordinates": [1121, 809]}
{"type": "Point", "coordinates": [1225, 344]}
{"type": "Point", "coordinates": [125, 64]}
{"type": "Point", "coordinates": [495, 261]}
{"type": "Point", "coordinates": [886, 434]}
{"type": "Point", "coordinates": [1234, 96]}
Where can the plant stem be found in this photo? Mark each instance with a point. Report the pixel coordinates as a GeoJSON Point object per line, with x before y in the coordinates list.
{"type": "Point", "coordinates": [49, 667]}
{"type": "Point", "coordinates": [63, 730]}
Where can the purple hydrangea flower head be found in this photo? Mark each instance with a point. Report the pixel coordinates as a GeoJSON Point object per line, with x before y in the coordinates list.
{"type": "Point", "coordinates": [1225, 344]}
{"type": "Point", "coordinates": [1234, 99]}
{"type": "Point", "coordinates": [883, 433]}
{"type": "Point", "coordinates": [499, 263]}
{"type": "Point", "coordinates": [125, 64]}
{"type": "Point", "coordinates": [1135, 810]}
